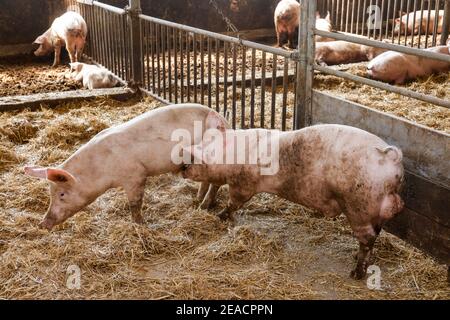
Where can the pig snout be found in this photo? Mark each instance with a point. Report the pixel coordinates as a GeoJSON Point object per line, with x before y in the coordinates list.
{"type": "Point", "coordinates": [48, 223]}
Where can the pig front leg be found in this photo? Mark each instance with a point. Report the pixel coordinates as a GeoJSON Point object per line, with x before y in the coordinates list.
{"type": "Point", "coordinates": [204, 187]}
{"type": "Point", "coordinates": [210, 198]}
{"type": "Point", "coordinates": [135, 193]}
{"type": "Point", "coordinates": [238, 198]}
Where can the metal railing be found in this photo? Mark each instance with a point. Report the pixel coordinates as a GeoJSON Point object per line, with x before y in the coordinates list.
{"type": "Point", "coordinates": [241, 79]}
{"type": "Point", "coordinates": [251, 84]}
{"type": "Point", "coordinates": [376, 19]}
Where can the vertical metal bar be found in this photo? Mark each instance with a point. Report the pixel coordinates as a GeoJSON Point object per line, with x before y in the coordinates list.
{"type": "Point", "coordinates": [153, 49]}
{"type": "Point", "coordinates": [407, 22]}
{"type": "Point", "coordinates": [363, 22]}
{"type": "Point", "coordinates": [274, 90]}
{"type": "Point", "coordinates": [217, 75]}
{"type": "Point", "coordinates": [169, 62]}
{"type": "Point", "coordinates": [342, 15]}
{"type": "Point", "coordinates": [209, 74]}
{"type": "Point", "coordinates": [146, 54]}
{"type": "Point", "coordinates": [158, 56]}
{"type": "Point", "coordinates": [202, 72]}
{"type": "Point", "coordinates": [347, 15]}
{"type": "Point", "coordinates": [421, 23]}
{"type": "Point", "coordinates": [188, 66]}
{"type": "Point", "coordinates": [233, 122]}
{"type": "Point", "coordinates": [285, 92]}
{"type": "Point", "coordinates": [243, 85]}
{"type": "Point", "coordinates": [437, 4]}
{"type": "Point", "coordinates": [175, 62]}
{"type": "Point", "coordinates": [352, 22]}
{"type": "Point", "coordinates": [305, 70]}
{"type": "Point", "coordinates": [427, 32]}
{"type": "Point", "coordinates": [194, 40]}
{"type": "Point", "coordinates": [136, 44]}
{"type": "Point", "coordinates": [252, 99]}
{"type": "Point", "coordinates": [225, 77]}
{"type": "Point", "coordinates": [358, 20]}
{"type": "Point", "coordinates": [163, 52]}
{"type": "Point", "coordinates": [413, 38]}
{"type": "Point", "coordinates": [381, 22]}
{"type": "Point", "coordinates": [368, 29]}
{"type": "Point", "coordinates": [182, 66]}
{"type": "Point", "coordinates": [263, 88]}
{"type": "Point", "coordinates": [110, 42]}
{"type": "Point", "coordinates": [446, 23]}
{"type": "Point", "coordinates": [387, 22]}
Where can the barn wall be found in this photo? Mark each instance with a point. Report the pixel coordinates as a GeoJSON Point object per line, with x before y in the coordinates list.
{"type": "Point", "coordinates": [21, 21]}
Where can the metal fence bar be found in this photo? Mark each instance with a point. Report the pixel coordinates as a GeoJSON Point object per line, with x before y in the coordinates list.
{"type": "Point", "coordinates": [383, 45]}
{"type": "Point", "coordinates": [218, 36]}
{"type": "Point", "coordinates": [384, 86]}
{"type": "Point", "coordinates": [209, 73]}
{"type": "Point", "coordinates": [263, 89]}
{"type": "Point", "coordinates": [217, 75]}
{"type": "Point", "coordinates": [234, 107]}
{"type": "Point", "coordinates": [243, 85]}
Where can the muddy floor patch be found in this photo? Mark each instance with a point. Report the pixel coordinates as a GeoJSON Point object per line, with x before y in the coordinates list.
{"type": "Point", "coordinates": [25, 75]}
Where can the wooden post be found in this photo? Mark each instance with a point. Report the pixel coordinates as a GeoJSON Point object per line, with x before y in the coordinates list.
{"type": "Point", "coordinates": [305, 72]}
{"type": "Point", "coordinates": [134, 10]}
{"type": "Point", "coordinates": [446, 24]}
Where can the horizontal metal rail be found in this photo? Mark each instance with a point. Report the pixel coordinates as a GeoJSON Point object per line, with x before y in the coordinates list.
{"type": "Point", "coordinates": [384, 86]}
{"type": "Point", "coordinates": [383, 45]}
{"type": "Point", "coordinates": [106, 7]}
{"type": "Point", "coordinates": [221, 37]}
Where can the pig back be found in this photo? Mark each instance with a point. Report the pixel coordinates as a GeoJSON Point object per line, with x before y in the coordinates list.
{"type": "Point", "coordinates": [70, 23]}
{"type": "Point", "coordinates": [328, 162]}
{"type": "Point", "coordinates": [147, 139]}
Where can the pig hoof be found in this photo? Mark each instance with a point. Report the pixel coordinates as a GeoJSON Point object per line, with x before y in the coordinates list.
{"type": "Point", "coordinates": [224, 216]}
{"type": "Point", "coordinates": [138, 219]}
{"type": "Point", "coordinates": [358, 274]}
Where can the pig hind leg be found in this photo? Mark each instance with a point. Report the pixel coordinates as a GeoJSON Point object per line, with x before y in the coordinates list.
{"type": "Point", "coordinates": [135, 194]}
{"type": "Point", "coordinates": [366, 237]}
{"type": "Point", "coordinates": [238, 198]}
{"type": "Point", "coordinates": [71, 49]}
{"type": "Point", "coordinates": [57, 59]}
{"type": "Point", "coordinates": [80, 49]}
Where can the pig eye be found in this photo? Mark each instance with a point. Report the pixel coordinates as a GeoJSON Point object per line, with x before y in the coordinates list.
{"type": "Point", "coordinates": [62, 194]}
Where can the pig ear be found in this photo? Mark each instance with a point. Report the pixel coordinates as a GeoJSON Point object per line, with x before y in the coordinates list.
{"type": "Point", "coordinates": [54, 175]}
{"type": "Point", "coordinates": [317, 15]}
{"type": "Point", "coordinates": [39, 40]}
{"type": "Point", "coordinates": [36, 172]}
{"type": "Point", "coordinates": [215, 121]}
{"type": "Point", "coordinates": [328, 17]}
{"type": "Point", "coordinates": [59, 176]}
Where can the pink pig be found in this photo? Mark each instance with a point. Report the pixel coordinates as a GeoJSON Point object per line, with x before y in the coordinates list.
{"type": "Point", "coordinates": [333, 169]}
{"type": "Point", "coordinates": [123, 156]}
{"type": "Point", "coordinates": [419, 21]}
{"type": "Point", "coordinates": [396, 67]}
{"type": "Point", "coordinates": [287, 19]}
{"type": "Point", "coordinates": [69, 30]}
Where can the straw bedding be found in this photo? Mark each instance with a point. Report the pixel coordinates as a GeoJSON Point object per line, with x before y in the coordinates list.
{"type": "Point", "coordinates": [276, 250]}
